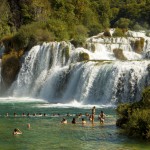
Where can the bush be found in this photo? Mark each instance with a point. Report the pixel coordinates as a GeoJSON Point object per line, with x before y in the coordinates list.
{"type": "Point", "coordinates": [79, 35]}
{"type": "Point", "coordinates": [94, 29]}
{"type": "Point", "coordinates": [148, 33]}
{"type": "Point", "coordinates": [134, 118]}
{"type": "Point", "coordinates": [7, 41]}
{"type": "Point", "coordinates": [58, 28]}
{"type": "Point", "coordinates": [119, 54]}
{"type": "Point", "coordinates": [118, 33]}
{"type": "Point", "coordinates": [123, 23]}
{"type": "Point", "coordinates": [83, 56]}
{"type": "Point", "coordinates": [138, 45]}
{"type": "Point", "coordinates": [10, 67]}
{"type": "Point", "coordinates": [107, 33]}
{"type": "Point", "coordinates": [30, 35]}
{"type": "Point", "coordinates": [137, 27]}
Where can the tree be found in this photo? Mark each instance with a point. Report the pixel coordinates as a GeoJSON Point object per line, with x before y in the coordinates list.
{"type": "Point", "coordinates": [123, 23]}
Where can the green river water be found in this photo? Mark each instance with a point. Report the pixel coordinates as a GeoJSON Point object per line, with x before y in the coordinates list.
{"type": "Point", "coordinates": [47, 133]}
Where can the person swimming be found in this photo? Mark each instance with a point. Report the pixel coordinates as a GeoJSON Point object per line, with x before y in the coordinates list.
{"type": "Point", "coordinates": [74, 121]}
{"type": "Point", "coordinates": [28, 125]}
{"type": "Point", "coordinates": [83, 121]}
{"type": "Point", "coordinates": [64, 121]}
{"type": "Point", "coordinates": [16, 131]}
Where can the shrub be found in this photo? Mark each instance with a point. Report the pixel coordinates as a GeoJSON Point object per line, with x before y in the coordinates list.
{"type": "Point", "coordinates": [79, 35]}
{"type": "Point", "coordinates": [118, 33]}
{"type": "Point", "coordinates": [119, 54]}
{"type": "Point", "coordinates": [83, 56]}
{"type": "Point", "coordinates": [94, 29]}
{"type": "Point", "coordinates": [107, 33]}
{"type": "Point", "coordinates": [7, 41]}
{"type": "Point", "coordinates": [10, 67]}
{"type": "Point", "coordinates": [58, 28]}
{"type": "Point", "coordinates": [134, 118]}
{"type": "Point", "coordinates": [148, 33]}
{"type": "Point", "coordinates": [31, 35]}
{"type": "Point", "coordinates": [146, 97]}
{"type": "Point", "coordinates": [138, 45]}
{"type": "Point", "coordinates": [137, 27]}
{"type": "Point", "coordinates": [122, 23]}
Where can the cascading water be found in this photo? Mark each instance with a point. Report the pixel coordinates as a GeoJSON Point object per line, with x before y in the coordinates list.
{"type": "Point", "coordinates": [1, 53]}
{"type": "Point", "coordinates": [52, 71]}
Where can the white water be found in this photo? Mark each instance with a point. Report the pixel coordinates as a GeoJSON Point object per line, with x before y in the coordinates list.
{"type": "Point", "coordinates": [20, 100]}
{"type": "Point", "coordinates": [90, 82]}
{"type": "Point", "coordinates": [104, 46]}
{"type": "Point", "coordinates": [48, 73]}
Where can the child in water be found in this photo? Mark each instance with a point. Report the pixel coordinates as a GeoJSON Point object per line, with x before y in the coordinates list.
{"type": "Point", "coordinates": [102, 117]}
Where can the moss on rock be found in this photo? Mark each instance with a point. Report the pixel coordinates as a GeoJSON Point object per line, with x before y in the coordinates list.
{"type": "Point", "coordinates": [10, 67]}
{"type": "Point", "coordinates": [83, 56]}
{"type": "Point", "coordinates": [119, 54]}
{"type": "Point", "coordinates": [138, 45]}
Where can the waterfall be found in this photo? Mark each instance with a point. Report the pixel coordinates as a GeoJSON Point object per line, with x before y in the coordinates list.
{"type": "Point", "coordinates": [54, 72]}
{"type": "Point", "coordinates": [1, 53]}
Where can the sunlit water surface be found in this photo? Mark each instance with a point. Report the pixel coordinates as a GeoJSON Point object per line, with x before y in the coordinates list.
{"type": "Point", "coordinates": [47, 133]}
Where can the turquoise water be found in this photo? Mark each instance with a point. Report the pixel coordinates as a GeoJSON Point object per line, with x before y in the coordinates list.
{"type": "Point", "coordinates": [47, 133]}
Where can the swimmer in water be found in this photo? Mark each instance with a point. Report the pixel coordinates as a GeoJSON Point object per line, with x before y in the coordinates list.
{"type": "Point", "coordinates": [16, 131]}
{"type": "Point", "coordinates": [64, 121]}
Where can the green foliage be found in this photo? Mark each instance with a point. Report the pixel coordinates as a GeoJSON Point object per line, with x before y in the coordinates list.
{"type": "Point", "coordinates": [104, 12]}
{"type": "Point", "coordinates": [119, 54]}
{"type": "Point", "coordinates": [10, 67]}
{"type": "Point", "coordinates": [122, 23]}
{"type": "Point", "coordinates": [30, 35]}
{"type": "Point", "coordinates": [118, 33]}
{"type": "Point", "coordinates": [80, 34]}
{"type": "Point", "coordinates": [7, 41]}
{"type": "Point", "coordinates": [5, 14]}
{"type": "Point", "coordinates": [58, 28]}
{"type": "Point", "coordinates": [137, 27]}
{"type": "Point", "coordinates": [94, 29]}
{"type": "Point", "coordinates": [134, 118]}
{"type": "Point", "coordinates": [146, 97]}
{"type": "Point", "coordinates": [107, 33]}
{"type": "Point", "coordinates": [148, 33]}
{"type": "Point", "coordinates": [138, 45]}
{"type": "Point", "coordinates": [83, 56]}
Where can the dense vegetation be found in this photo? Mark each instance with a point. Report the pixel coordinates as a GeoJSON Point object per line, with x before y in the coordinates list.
{"type": "Point", "coordinates": [135, 118]}
{"type": "Point", "coordinates": [42, 20]}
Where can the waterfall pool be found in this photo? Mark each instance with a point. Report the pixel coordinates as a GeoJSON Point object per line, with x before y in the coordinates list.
{"type": "Point", "coordinates": [47, 133]}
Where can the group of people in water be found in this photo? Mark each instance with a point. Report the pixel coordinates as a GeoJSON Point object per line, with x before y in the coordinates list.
{"type": "Point", "coordinates": [101, 117]}
{"type": "Point", "coordinates": [91, 117]}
